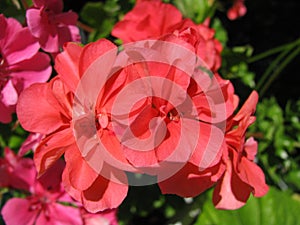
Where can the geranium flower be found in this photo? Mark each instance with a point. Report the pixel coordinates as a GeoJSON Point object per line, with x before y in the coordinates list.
{"type": "Point", "coordinates": [159, 18]}
{"type": "Point", "coordinates": [168, 25]}
{"type": "Point", "coordinates": [15, 171]}
{"type": "Point", "coordinates": [20, 64]}
{"type": "Point", "coordinates": [50, 25]}
{"type": "Point", "coordinates": [43, 205]}
{"type": "Point", "coordinates": [52, 116]}
{"type": "Point", "coordinates": [242, 176]}
{"type": "Point", "coordinates": [237, 10]}
{"type": "Point", "coordinates": [235, 174]}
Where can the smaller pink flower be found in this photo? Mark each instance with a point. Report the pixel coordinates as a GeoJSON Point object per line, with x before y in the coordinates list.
{"type": "Point", "coordinates": [20, 64]}
{"type": "Point", "coordinates": [237, 10]}
{"type": "Point", "coordinates": [51, 26]}
{"type": "Point", "coordinates": [42, 207]}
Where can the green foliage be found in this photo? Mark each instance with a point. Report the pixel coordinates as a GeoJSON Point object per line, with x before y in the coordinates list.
{"type": "Point", "coordinates": [221, 33]}
{"type": "Point", "coordinates": [101, 16]}
{"type": "Point", "coordinates": [234, 65]}
{"type": "Point", "coordinates": [12, 135]}
{"type": "Point", "coordinates": [197, 10]}
{"type": "Point", "coordinates": [278, 132]}
{"type": "Point", "coordinates": [13, 9]}
{"type": "Point", "coordinates": [276, 208]}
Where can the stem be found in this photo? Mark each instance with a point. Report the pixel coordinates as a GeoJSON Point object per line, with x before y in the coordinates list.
{"type": "Point", "coordinates": [24, 4]}
{"type": "Point", "coordinates": [85, 27]}
{"type": "Point", "coordinates": [272, 66]}
{"type": "Point", "coordinates": [273, 51]}
{"type": "Point", "coordinates": [279, 69]}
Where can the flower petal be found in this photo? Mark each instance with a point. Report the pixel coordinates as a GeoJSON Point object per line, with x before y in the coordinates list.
{"type": "Point", "coordinates": [105, 194]}
{"type": "Point", "coordinates": [189, 181]}
{"type": "Point", "coordinates": [52, 148]}
{"type": "Point", "coordinates": [81, 175]}
{"type": "Point", "coordinates": [38, 109]}
{"type": "Point", "coordinates": [23, 216]}
{"type": "Point", "coordinates": [230, 192]}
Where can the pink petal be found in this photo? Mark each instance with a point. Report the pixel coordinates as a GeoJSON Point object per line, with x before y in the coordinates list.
{"type": "Point", "coordinates": [58, 214]}
{"type": "Point", "coordinates": [9, 27]}
{"type": "Point", "coordinates": [24, 215]}
{"type": "Point", "coordinates": [108, 217]}
{"type": "Point", "coordinates": [250, 148]}
{"type": "Point", "coordinates": [54, 5]}
{"type": "Point", "coordinates": [35, 70]}
{"type": "Point", "coordinates": [66, 18]}
{"type": "Point", "coordinates": [31, 143]}
{"type": "Point", "coordinates": [6, 112]}
{"type": "Point", "coordinates": [9, 94]}
{"type": "Point", "coordinates": [35, 22]}
{"type": "Point", "coordinates": [22, 46]}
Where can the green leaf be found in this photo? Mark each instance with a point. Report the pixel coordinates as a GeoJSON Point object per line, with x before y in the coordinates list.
{"type": "Point", "coordinates": [101, 16]}
{"type": "Point", "coordinates": [221, 33]}
{"type": "Point", "coordinates": [197, 10]}
{"type": "Point", "coordinates": [276, 208]}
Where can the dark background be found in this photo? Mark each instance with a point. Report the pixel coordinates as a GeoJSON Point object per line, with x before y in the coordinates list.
{"type": "Point", "coordinates": [267, 24]}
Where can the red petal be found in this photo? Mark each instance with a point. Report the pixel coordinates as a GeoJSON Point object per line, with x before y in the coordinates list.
{"type": "Point", "coordinates": [37, 109]}
{"type": "Point", "coordinates": [66, 64]}
{"type": "Point", "coordinates": [252, 175]}
{"type": "Point", "coordinates": [81, 175]}
{"type": "Point", "coordinates": [93, 51]}
{"type": "Point", "coordinates": [105, 194]}
{"type": "Point", "coordinates": [52, 148]}
{"type": "Point", "coordinates": [230, 192]}
{"type": "Point", "coordinates": [189, 181]}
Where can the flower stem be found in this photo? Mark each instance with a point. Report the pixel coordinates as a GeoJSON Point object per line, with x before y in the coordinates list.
{"type": "Point", "coordinates": [275, 74]}
{"type": "Point", "coordinates": [273, 51]}
{"type": "Point", "coordinates": [272, 67]}
{"type": "Point", "coordinates": [85, 27]}
{"type": "Point", "coordinates": [24, 4]}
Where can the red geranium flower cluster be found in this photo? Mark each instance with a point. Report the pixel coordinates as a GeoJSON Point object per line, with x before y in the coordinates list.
{"type": "Point", "coordinates": [156, 107]}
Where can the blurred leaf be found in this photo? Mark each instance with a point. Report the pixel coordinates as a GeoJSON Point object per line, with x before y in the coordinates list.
{"type": "Point", "coordinates": [234, 65]}
{"type": "Point", "coordinates": [101, 16]}
{"type": "Point", "coordinates": [197, 10]}
{"type": "Point", "coordinates": [12, 9]}
{"type": "Point", "coordinates": [221, 33]}
{"type": "Point", "coordinates": [276, 208]}
{"type": "Point", "coordinates": [278, 137]}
